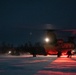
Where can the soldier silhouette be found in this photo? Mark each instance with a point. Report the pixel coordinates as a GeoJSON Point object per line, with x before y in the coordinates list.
{"type": "Point", "coordinates": [59, 53]}
{"type": "Point", "coordinates": [69, 54]}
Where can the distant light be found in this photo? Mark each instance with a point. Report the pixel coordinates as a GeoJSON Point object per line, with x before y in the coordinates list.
{"type": "Point", "coordinates": [47, 40]}
{"type": "Point", "coordinates": [9, 52]}
{"type": "Point", "coordinates": [73, 50]}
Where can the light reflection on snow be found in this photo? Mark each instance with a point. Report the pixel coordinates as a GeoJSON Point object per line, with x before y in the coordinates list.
{"type": "Point", "coordinates": [61, 66]}
{"type": "Point", "coordinates": [53, 73]}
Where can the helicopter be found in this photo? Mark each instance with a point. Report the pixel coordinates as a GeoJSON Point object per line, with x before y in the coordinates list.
{"type": "Point", "coordinates": [53, 44]}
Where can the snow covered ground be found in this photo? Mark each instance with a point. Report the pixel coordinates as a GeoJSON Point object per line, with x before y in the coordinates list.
{"type": "Point", "coordinates": [61, 66]}
{"type": "Point", "coordinates": [23, 65]}
{"type": "Point", "coordinates": [40, 65]}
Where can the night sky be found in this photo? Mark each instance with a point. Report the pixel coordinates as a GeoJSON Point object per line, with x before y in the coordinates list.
{"type": "Point", "coordinates": [21, 19]}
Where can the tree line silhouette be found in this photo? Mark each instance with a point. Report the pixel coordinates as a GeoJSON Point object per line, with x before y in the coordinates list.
{"type": "Point", "coordinates": [35, 49]}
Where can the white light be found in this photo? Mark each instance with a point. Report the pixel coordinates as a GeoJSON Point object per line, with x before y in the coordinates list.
{"type": "Point", "coordinates": [47, 40]}
{"type": "Point", "coordinates": [9, 52]}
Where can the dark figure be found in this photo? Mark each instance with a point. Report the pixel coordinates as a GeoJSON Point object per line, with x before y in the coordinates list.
{"type": "Point", "coordinates": [59, 54]}
{"type": "Point", "coordinates": [33, 51]}
{"type": "Point", "coordinates": [69, 54]}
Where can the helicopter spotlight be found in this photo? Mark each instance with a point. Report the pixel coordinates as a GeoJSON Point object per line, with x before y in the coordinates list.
{"type": "Point", "coordinates": [50, 42]}
{"type": "Point", "coordinates": [47, 39]}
